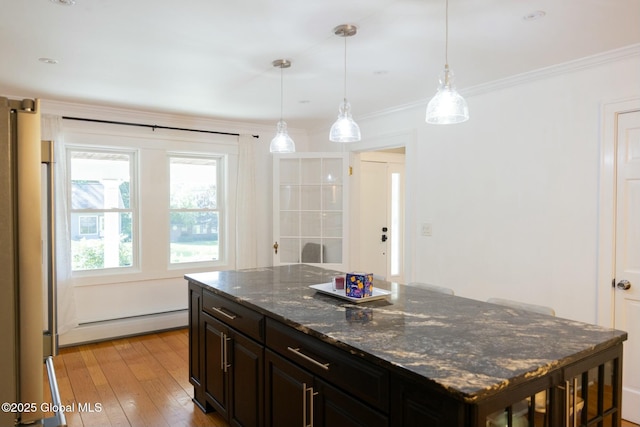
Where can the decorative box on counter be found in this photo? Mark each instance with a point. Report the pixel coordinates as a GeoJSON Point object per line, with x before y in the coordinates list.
{"type": "Point", "coordinates": [359, 285]}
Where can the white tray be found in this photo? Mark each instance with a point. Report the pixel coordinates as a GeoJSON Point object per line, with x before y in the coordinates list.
{"type": "Point", "coordinates": [327, 289]}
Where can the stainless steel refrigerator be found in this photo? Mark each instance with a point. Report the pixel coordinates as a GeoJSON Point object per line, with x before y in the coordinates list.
{"type": "Point", "coordinates": [27, 307]}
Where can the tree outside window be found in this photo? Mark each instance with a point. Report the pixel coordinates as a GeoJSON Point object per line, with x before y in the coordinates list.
{"type": "Point", "coordinates": [194, 209]}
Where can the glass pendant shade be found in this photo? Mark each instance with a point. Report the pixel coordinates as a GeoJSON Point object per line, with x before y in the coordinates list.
{"type": "Point", "coordinates": [447, 106]}
{"type": "Point", "coordinates": [282, 142]}
{"type": "Point", "coordinates": [344, 129]}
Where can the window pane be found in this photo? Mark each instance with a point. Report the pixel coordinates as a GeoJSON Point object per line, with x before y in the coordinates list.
{"type": "Point", "coordinates": [88, 225]}
{"type": "Point", "coordinates": [332, 171]}
{"type": "Point", "coordinates": [100, 180]}
{"type": "Point", "coordinates": [101, 233]}
{"type": "Point", "coordinates": [194, 237]}
{"type": "Point", "coordinates": [193, 183]}
{"type": "Point", "coordinates": [289, 250]}
{"type": "Point", "coordinates": [111, 245]}
{"type": "Point", "coordinates": [311, 172]}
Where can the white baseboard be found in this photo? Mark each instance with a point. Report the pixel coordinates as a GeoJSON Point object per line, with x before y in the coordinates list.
{"type": "Point", "coordinates": [118, 328]}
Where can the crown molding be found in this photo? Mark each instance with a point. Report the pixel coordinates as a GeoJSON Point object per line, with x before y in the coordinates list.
{"type": "Point", "coordinates": [555, 70]}
{"type": "Point", "coordinates": [530, 76]}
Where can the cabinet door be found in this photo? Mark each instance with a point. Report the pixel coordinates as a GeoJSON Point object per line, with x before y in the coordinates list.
{"type": "Point", "coordinates": [246, 372]}
{"type": "Point", "coordinates": [336, 408]}
{"type": "Point", "coordinates": [288, 393]}
{"type": "Point", "coordinates": [216, 381]}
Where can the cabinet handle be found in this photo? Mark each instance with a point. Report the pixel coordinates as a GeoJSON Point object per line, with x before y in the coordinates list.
{"type": "Point", "coordinates": [304, 405]}
{"type": "Point", "coordinates": [297, 351]}
{"type": "Point", "coordinates": [227, 315]}
{"type": "Point", "coordinates": [222, 352]}
{"type": "Point", "coordinates": [224, 356]}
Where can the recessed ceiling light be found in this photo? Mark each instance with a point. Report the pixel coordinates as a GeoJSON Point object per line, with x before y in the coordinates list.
{"type": "Point", "coordinates": [48, 60]}
{"type": "Point", "coordinates": [64, 2]}
{"type": "Point", "coordinates": [532, 16]}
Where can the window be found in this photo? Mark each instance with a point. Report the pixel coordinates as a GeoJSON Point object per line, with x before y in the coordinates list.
{"type": "Point", "coordinates": [195, 209]}
{"type": "Point", "coordinates": [102, 209]}
{"type": "Point", "coordinates": [88, 225]}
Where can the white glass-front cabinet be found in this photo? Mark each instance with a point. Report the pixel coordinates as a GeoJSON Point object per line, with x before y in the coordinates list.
{"type": "Point", "coordinates": [309, 202]}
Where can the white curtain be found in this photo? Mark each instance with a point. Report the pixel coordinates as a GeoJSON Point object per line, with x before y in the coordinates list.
{"type": "Point", "coordinates": [246, 247]}
{"type": "Point", "coordinates": [67, 318]}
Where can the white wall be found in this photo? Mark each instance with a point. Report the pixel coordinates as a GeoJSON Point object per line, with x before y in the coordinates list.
{"type": "Point", "coordinates": [512, 194]}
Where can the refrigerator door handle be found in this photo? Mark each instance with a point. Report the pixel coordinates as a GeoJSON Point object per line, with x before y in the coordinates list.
{"type": "Point", "coordinates": [50, 335]}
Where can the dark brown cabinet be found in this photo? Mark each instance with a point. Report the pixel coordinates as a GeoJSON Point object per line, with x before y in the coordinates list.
{"type": "Point", "coordinates": [288, 393]}
{"type": "Point", "coordinates": [246, 382]}
{"type": "Point", "coordinates": [295, 397]}
{"type": "Point", "coordinates": [231, 364]}
{"type": "Point", "coordinates": [312, 383]}
{"type": "Point", "coordinates": [216, 368]}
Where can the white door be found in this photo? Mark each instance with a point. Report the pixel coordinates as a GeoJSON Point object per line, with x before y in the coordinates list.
{"type": "Point", "coordinates": [627, 259]}
{"type": "Point", "coordinates": [381, 224]}
{"type": "Point", "coordinates": [373, 222]}
{"type": "Point", "coordinates": [309, 209]}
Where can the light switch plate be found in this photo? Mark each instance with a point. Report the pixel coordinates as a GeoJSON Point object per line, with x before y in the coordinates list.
{"type": "Point", "coordinates": [426, 229]}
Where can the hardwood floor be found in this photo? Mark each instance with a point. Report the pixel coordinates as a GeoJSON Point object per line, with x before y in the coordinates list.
{"type": "Point", "coordinates": [137, 381]}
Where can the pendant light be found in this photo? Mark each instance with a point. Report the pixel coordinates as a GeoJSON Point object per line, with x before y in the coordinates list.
{"type": "Point", "coordinates": [447, 106]}
{"type": "Point", "coordinates": [345, 129]}
{"type": "Point", "coordinates": [282, 142]}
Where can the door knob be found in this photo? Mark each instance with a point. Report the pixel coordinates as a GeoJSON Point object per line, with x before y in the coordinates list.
{"type": "Point", "coordinates": [624, 285]}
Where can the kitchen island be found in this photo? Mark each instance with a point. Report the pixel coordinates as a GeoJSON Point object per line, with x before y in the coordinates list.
{"type": "Point", "coordinates": [265, 349]}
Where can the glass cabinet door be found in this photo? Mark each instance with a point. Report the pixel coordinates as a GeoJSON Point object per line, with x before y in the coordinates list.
{"type": "Point", "coordinates": [309, 208]}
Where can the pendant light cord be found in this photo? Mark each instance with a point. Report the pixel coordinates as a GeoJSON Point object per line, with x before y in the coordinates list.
{"type": "Point", "coordinates": [281, 93]}
{"type": "Point", "coordinates": [446, 34]}
{"type": "Point", "coordinates": [345, 69]}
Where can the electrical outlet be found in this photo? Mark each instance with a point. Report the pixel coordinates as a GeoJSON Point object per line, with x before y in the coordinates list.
{"type": "Point", "coordinates": [426, 229]}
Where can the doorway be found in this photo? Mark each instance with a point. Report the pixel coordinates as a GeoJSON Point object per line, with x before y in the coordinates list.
{"type": "Point", "coordinates": [627, 257]}
{"type": "Point", "coordinates": [619, 237]}
{"type": "Point", "coordinates": [379, 228]}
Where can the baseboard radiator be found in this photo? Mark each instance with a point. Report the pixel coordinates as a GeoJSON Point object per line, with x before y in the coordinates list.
{"type": "Point", "coordinates": [123, 327]}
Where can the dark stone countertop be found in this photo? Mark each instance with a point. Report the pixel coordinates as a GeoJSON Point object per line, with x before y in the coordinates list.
{"type": "Point", "coordinates": [472, 349]}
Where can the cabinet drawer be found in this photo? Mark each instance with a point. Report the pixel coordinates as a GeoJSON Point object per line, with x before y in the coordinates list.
{"type": "Point", "coordinates": [235, 315]}
{"type": "Point", "coordinates": [358, 378]}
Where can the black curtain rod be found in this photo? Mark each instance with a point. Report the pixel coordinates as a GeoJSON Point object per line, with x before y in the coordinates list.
{"type": "Point", "coordinates": [154, 127]}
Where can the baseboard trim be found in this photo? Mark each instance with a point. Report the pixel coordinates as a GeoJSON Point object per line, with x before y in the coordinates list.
{"type": "Point", "coordinates": [120, 328]}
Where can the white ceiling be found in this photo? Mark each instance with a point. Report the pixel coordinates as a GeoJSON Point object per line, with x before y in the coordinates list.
{"type": "Point", "coordinates": [213, 58]}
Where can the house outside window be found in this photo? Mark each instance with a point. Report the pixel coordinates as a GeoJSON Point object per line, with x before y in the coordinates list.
{"type": "Point", "coordinates": [102, 210]}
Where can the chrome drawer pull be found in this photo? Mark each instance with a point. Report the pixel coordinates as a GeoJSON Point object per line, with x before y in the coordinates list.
{"type": "Point", "coordinates": [227, 315]}
{"type": "Point", "coordinates": [297, 351]}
